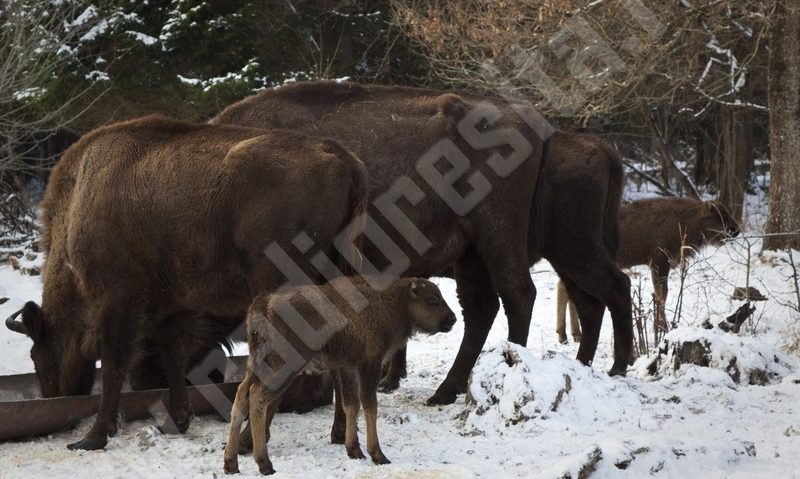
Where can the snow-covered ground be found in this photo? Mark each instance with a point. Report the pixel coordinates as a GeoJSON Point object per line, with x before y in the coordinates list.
{"type": "Point", "coordinates": [695, 422]}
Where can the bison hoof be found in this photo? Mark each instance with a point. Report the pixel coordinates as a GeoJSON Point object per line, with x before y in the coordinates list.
{"type": "Point", "coordinates": [337, 434]}
{"type": "Point", "coordinates": [177, 426]}
{"type": "Point", "coordinates": [380, 459]}
{"type": "Point", "coordinates": [182, 421]}
{"type": "Point", "coordinates": [231, 467]}
{"type": "Point", "coordinates": [266, 469]}
{"type": "Point", "coordinates": [441, 398]}
{"type": "Point", "coordinates": [88, 444]}
{"type": "Point", "coordinates": [562, 339]}
{"type": "Point", "coordinates": [355, 453]}
{"type": "Point", "coordinates": [389, 385]}
{"type": "Point", "coordinates": [576, 339]}
{"type": "Point", "coordinates": [620, 371]}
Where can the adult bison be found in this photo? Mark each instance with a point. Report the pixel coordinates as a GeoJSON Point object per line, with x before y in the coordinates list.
{"type": "Point", "coordinates": [659, 232]}
{"type": "Point", "coordinates": [156, 231]}
{"type": "Point", "coordinates": [426, 149]}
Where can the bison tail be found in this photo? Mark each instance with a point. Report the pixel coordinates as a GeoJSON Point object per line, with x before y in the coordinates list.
{"type": "Point", "coordinates": [349, 246]}
{"type": "Point", "coordinates": [536, 228]}
{"type": "Point", "coordinates": [613, 199]}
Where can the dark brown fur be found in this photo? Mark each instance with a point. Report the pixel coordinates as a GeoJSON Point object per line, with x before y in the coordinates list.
{"type": "Point", "coordinates": [488, 250]}
{"type": "Point", "coordinates": [154, 227]}
{"type": "Point", "coordinates": [652, 232]}
{"type": "Point", "coordinates": [355, 352]}
{"type": "Point", "coordinates": [582, 193]}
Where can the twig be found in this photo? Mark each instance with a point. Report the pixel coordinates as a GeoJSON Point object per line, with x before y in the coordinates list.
{"type": "Point", "coordinates": [650, 179]}
{"type": "Point", "coordinates": [663, 149]}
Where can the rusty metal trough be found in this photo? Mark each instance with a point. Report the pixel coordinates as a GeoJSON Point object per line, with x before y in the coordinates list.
{"type": "Point", "coordinates": [24, 414]}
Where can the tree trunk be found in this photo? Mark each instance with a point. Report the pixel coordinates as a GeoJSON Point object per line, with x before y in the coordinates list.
{"type": "Point", "coordinates": [737, 156]}
{"type": "Point", "coordinates": [702, 156]}
{"type": "Point", "coordinates": [784, 119]}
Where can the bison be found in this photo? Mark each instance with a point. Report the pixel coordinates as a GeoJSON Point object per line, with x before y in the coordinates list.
{"type": "Point", "coordinates": [156, 229]}
{"type": "Point", "coordinates": [360, 340]}
{"type": "Point", "coordinates": [653, 232]}
{"type": "Point", "coordinates": [461, 189]}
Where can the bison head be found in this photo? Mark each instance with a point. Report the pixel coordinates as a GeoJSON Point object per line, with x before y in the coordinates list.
{"type": "Point", "coordinates": [428, 309]}
{"type": "Point", "coordinates": [718, 222]}
{"type": "Point", "coordinates": [60, 367]}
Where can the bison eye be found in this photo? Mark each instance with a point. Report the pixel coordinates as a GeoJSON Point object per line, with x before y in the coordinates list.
{"type": "Point", "coordinates": [432, 302]}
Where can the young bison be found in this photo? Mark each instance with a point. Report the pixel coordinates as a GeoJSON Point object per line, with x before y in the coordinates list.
{"type": "Point", "coordinates": [652, 232]}
{"type": "Point", "coordinates": [365, 328]}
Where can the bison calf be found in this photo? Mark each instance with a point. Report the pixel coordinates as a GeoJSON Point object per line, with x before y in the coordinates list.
{"type": "Point", "coordinates": [355, 329]}
{"type": "Point", "coordinates": [652, 232]}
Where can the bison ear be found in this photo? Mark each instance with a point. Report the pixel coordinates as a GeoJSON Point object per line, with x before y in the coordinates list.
{"type": "Point", "coordinates": [414, 288]}
{"type": "Point", "coordinates": [33, 320]}
{"type": "Point", "coordinates": [452, 106]}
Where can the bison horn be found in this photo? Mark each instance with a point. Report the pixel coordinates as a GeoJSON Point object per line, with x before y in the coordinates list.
{"type": "Point", "coordinates": [16, 326]}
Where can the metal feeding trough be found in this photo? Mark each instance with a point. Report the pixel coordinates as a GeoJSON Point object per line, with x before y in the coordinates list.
{"type": "Point", "coordinates": [23, 413]}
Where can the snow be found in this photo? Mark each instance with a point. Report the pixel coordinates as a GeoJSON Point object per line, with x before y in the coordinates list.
{"type": "Point", "coordinates": [28, 93]}
{"type": "Point", "coordinates": [97, 75]}
{"type": "Point", "coordinates": [143, 38]}
{"type": "Point", "coordinates": [245, 74]}
{"type": "Point", "coordinates": [95, 31]}
{"type": "Point", "coordinates": [693, 422]}
{"type": "Point", "coordinates": [89, 14]}
{"type": "Point", "coordinates": [739, 356]}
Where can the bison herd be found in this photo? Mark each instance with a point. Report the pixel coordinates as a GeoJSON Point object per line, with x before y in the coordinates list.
{"type": "Point", "coordinates": [311, 212]}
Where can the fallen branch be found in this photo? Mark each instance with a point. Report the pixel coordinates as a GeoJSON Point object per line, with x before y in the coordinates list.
{"type": "Point", "coordinates": [560, 396]}
{"type": "Point", "coordinates": [734, 322]}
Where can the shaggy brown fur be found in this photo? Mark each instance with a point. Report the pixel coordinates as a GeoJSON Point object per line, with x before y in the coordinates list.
{"type": "Point", "coordinates": [154, 227]}
{"type": "Point", "coordinates": [652, 232]}
{"type": "Point", "coordinates": [359, 343]}
{"type": "Point", "coordinates": [582, 182]}
{"type": "Point", "coordinates": [490, 248]}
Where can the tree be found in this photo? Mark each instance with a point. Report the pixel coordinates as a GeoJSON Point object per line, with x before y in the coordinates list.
{"type": "Point", "coordinates": [654, 74]}
{"type": "Point", "coordinates": [784, 116]}
{"type": "Point", "coordinates": [35, 53]}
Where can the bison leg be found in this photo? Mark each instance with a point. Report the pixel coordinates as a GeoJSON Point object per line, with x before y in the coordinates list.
{"type": "Point", "coordinates": [239, 412]}
{"type": "Point", "coordinates": [246, 440]}
{"type": "Point", "coordinates": [619, 304]}
{"type": "Point", "coordinates": [338, 429]}
{"type": "Point", "coordinates": [561, 312]}
{"type": "Point", "coordinates": [174, 360]}
{"type": "Point", "coordinates": [367, 389]}
{"type": "Point", "coordinates": [115, 354]}
{"type": "Point", "coordinates": [261, 403]}
{"type": "Point", "coordinates": [479, 304]}
{"type": "Point", "coordinates": [574, 322]}
{"type": "Point", "coordinates": [590, 312]}
{"type": "Point", "coordinates": [349, 390]}
{"type": "Point", "coordinates": [516, 290]}
{"type": "Point", "coordinates": [606, 283]}
{"type": "Point", "coordinates": [395, 370]}
{"type": "Point", "coordinates": [563, 302]}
